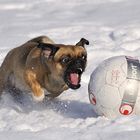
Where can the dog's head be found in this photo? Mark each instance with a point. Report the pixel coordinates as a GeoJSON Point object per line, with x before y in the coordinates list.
{"type": "Point", "coordinates": [65, 63]}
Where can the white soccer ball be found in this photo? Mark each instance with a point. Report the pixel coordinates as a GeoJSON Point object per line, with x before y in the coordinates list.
{"type": "Point", "coordinates": [114, 87]}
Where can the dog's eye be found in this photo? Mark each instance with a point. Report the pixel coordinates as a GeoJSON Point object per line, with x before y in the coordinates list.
{"type": "Point", "coordinates": [65, 59]}
{"type": "Point", "coordinates": [83, 57]}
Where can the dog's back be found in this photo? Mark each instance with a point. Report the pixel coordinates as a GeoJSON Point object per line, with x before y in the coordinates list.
{"type": "Point", "coordinates": [42, 39]}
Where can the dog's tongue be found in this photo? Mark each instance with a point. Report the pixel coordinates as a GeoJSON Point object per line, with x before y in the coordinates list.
{"type": "Point", "coordinates": [74, 78]}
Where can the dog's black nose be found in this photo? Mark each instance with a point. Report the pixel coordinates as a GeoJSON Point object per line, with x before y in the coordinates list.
{"type": "Point", "coordinates": [80, 62]}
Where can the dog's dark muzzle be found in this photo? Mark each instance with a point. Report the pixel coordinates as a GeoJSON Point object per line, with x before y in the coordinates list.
{"type": "Point", "coordinates": [73, 73]}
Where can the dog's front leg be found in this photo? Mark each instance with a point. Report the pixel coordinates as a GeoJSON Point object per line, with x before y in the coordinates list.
{"type": "Point", "coordinates": [37, 91]}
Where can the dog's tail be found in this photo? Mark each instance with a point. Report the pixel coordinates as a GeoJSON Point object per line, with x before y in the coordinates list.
{"type": "Point", "coordinates": [42, 39]}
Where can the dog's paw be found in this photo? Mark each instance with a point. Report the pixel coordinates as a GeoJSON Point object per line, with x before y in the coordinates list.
{"type": "Point", "coordinates": [39, 98]}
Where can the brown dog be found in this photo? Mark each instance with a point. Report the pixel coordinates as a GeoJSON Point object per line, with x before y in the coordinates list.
{"type": "Point", "coordinates": [40, 65]}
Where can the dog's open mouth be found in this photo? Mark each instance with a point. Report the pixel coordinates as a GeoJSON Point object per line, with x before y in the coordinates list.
{"type": "Point", "coordinates": [73, 78]}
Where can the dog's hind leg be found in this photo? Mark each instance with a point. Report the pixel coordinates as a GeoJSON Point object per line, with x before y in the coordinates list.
{"type": "Point", "coordinates": [2, 80]}
{"type": "Point", "coordinates": [4, 74]}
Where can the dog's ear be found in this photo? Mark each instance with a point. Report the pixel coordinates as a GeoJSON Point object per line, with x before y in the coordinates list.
{"type": "Point", "coordinates": [48, 49]}
{"type": "Point", "coordinates": [82, 42]}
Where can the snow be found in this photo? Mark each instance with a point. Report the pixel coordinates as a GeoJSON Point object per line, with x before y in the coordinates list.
{"type": "Point", "coordinates": [111, 26]}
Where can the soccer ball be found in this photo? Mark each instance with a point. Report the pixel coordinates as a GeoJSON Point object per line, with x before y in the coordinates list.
{"type": "Point", "coordinates": [114, 87]}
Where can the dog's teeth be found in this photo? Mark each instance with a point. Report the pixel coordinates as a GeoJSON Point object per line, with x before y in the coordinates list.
{"type": "Point", "coordinates": [77, 75]}
{"type": "Point", "coordinates": [80, 69]}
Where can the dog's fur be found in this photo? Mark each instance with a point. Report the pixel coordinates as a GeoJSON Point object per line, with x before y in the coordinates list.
{"type": "Point", "coordinates": [38, 65]}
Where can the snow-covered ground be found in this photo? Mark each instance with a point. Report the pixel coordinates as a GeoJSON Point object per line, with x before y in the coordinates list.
{"type": "Point", "coordinates": [111, 26]}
